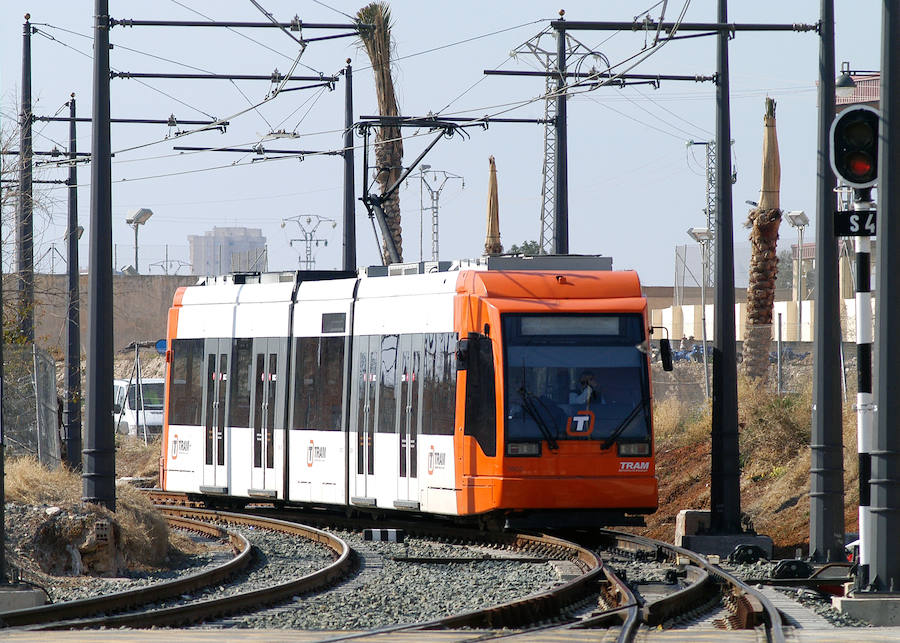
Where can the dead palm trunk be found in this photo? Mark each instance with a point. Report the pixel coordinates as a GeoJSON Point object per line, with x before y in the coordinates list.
{"type": "Point", "coordinates": [388, 143]}
{"type": "Point", "coordinates": [763, 221]}
{"type": "Point", "coordinates": [492, 245]}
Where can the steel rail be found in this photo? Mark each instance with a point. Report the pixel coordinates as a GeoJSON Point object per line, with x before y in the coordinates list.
{"type": "Point", "coordinates": [750, 606]}
{"type": "Point", "coordinates": [202, 610]}
{"type": "Point", "coordinates": [142, 595]}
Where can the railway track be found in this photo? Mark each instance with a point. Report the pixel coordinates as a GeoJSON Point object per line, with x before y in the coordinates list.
{"type": "Point", "coordinates": [70, 614]}
{"type": "Point", "coordinates": [593, 596]}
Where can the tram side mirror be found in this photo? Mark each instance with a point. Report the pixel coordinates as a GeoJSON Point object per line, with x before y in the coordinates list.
{"type": "Point", "coordinates": [665, 353]}
{"type": "Point", "coordinates": [462, 354]}
{"type": "Point", "coordinates": [117, 408]}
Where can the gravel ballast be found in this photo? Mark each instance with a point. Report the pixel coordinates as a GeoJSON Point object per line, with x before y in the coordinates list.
{"type": "Point", "coordinates": [385, 592]}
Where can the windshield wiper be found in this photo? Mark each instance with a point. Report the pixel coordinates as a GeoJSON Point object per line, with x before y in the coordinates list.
{"type": "Point", "coordinates": [529, 407]}
{"type": "Point", "coordinates": [608, 442]}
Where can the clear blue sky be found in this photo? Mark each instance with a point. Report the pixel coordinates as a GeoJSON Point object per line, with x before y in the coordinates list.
{"type": "Point", "coordinates": [634, 186]}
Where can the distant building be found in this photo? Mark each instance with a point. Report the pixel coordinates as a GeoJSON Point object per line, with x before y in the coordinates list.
{"type": "Point", "coordinates": [224, 250]}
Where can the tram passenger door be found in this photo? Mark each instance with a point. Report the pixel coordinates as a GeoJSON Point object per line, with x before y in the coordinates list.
{"type": "Point", "coordinates": [266, 416]}
{"type": "Point", "coordinates": [215, 411]}
{"type": "Point", "coordinates": [362, 446]}
{"type": "Point", "coordinates": [410, 392]}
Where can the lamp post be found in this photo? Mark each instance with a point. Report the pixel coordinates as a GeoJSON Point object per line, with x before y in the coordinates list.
{"type": "Point", "coordinates": [703, 236]}
{"type": "Point", "coordinates": [138, 218]}
{"type": "Point", "coordinates": [799, 220]}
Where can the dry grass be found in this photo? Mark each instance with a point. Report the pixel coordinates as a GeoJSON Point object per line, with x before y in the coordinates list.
{"type": "Point", "coordinates": [143, 532]}
{"type": "Point", "coordinates": [774, 455]}
{"type": "Point", "coordinates": [135, 459]}
{"type": "Point", "coordinates": [677, 423]}
{"type": "Point", "coordinates": [30, 483]}
{"type": "Point", "coordinates": [773, 429]}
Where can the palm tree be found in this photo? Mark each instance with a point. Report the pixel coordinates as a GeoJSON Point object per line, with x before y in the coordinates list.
{"type": "Point", "coordinates": [388, 143]}
{"type": "Point", "coordinates": [764, 221]}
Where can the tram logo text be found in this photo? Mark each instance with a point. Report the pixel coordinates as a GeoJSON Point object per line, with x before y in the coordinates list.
{"type": "Point", "coordinates": [582, 423]}
{"type": "Point", "coordinates": [436, 460]}
{"type": "Point", "coordinates": [179, 447]}
{"type": "Point", "coordinates": [314, 454]}
{"type": "Point", "coordinates": [636, 467]}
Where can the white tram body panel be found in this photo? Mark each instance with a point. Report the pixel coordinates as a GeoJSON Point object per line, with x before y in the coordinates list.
{"type": "Point", "coordinates": [392, 462]}
{"type": "Point", "coordinates": [317, 462]}
{"type": "Point", "coordinates": [387, 318]}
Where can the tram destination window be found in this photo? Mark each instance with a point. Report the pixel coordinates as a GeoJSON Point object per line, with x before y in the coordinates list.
{"type": "Point", "coordinates": [186, 382]}
{"type": "Point", "coordinates": [334, 322]}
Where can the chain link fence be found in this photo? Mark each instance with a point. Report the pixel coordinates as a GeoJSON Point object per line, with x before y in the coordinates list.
{"type": "Point", "coordinates": [31, 423]}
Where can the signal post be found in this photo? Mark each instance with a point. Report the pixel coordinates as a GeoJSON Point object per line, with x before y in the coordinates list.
{"type": "Point", "coordinates": [854, 159]}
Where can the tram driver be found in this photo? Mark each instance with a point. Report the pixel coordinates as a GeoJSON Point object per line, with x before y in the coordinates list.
{"type": "Point", "coordinates": [588, 390]}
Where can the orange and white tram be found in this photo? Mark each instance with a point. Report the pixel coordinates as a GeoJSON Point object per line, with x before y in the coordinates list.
{"type": "Point", "coordinates": [516, 394]}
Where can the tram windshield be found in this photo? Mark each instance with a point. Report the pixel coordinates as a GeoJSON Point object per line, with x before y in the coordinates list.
{"type": "Point", "coordinates": [575, 377]}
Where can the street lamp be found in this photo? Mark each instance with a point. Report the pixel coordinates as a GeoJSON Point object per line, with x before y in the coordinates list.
{"type": "Point", "coordinates": [138, 218]}
{"type": "Point", "coordinates": [703, 236]}
{"type": "Point", "coordinates": [799, 220]}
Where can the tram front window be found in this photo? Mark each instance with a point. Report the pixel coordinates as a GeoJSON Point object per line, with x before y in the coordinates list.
{"type": "Point", "coordinates": [575, 377]}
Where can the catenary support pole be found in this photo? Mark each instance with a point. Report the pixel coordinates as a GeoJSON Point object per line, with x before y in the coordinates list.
{"type": "Point", "coordinates": [2, 435]}
{"type": "Point", "coordinates": [25, 209]}
{"type": "Point", "coordinates": [826, 493]}
{"type": "Point", "coordinates": [725, 491]}
{"type": "Point", "coordinates": [884, 568]}
{"type": "Point", "coordinates": [72, 419]}
{"type": "Point", "coordinates": [561, 210]}
{"type": "Point", "coordinates": [349, 254]}
{"type": "Point", "coordinates": [99, 449]}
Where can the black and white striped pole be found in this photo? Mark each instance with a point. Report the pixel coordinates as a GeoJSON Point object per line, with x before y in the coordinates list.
{"type": "Point", "coordinates": [865, 410]}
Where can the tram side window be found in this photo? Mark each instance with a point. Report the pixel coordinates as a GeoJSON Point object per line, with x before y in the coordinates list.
{"type": "Point", "coordinates": [439, 384]}
{"type": "Point", "coordinates": [387, 392]}
{"type": "Point", "coordinates": [241, 360]}
{"type": "Point", "coordinates": [318, 383]}
{"type": "Point", "coordinates": [481, 408]}
{"type": "Point", "coordinates": [186, 383]}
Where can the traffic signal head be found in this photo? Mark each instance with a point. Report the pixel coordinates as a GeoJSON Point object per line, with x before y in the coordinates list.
{"type": "Point", "coordinates": [854, 146]}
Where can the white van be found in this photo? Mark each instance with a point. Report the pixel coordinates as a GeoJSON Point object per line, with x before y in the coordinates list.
{"type": "Point", "coordinates": [131, 417]}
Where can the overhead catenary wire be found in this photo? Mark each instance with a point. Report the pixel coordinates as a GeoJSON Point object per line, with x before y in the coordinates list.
{"type": "Point", "coordinates": [147, 85]}
{"type": "Point", "coordinates": [245, 36]}
{"type": "Point", "coordinates": [164, 59]}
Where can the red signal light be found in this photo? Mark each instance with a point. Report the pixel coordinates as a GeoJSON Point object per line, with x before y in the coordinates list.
{"type": "Point", "coordinates": [860, 165]}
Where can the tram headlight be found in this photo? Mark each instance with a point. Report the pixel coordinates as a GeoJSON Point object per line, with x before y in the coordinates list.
{"type": "Point", "coordinates": [523, 448]}
{"type": "Point", "coordinates": [634, 449]}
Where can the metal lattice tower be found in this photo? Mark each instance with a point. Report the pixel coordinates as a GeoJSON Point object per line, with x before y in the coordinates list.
{"type": "Point", "coordinates": [710, 208]}
{"type": "Point", "coordinates": [546, 58]}
{"type": "Point", "coordinates": [308, 224]}
{"type": "Point", "coordinates": [434, 192]}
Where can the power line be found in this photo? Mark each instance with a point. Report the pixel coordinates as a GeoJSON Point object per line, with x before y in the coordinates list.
{"type": "Point", "coordinates": [245, 36]}
{"type": "Point", "coordinates": [681, 118]}
{"type": "Point", "coordinates": [327, 6]}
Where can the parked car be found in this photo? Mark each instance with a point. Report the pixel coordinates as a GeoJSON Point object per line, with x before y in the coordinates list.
{"type": "Point", "coordinates": [136, 408]}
